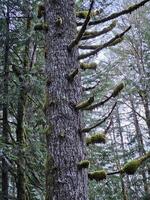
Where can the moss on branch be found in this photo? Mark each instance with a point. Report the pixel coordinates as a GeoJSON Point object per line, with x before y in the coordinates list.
{"type": "Point", "coordinates": [83, 164]}
{"type": "Point", "coordinates": [85, 103]}
{"type": "Point", "coordinates": [97, 175]}
{"type": "Point", "coordinates": [117, 89]}
{"type": "Point", "coordinates": [83, 14]}
{"type": "Point", "coordinates": [131, 167]}
{"type": "Point", "coordinates": [85, 66]}
{"type": "Point", "coordinates": [96, 138]}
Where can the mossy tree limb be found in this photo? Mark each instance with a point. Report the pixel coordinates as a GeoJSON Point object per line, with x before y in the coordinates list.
{"type": "Point", "coordinates": [85, 66]}
{"type": "Point", "coordinates": [92, 34]}
{"type": "Point", "coordinates": [81, 32]}
{"type": "Point", "coordinates": [88, 129]}
{"type": "Point", "coordinates": [97, 175]}
{"type": "Point", "coordinates": [98, 48]}
{"type": "Point", "coordinates": [131, 167]}
{"type": "Point", "coordinates": [117, 14]}
{"type": "Point", "coordinates": [115, 93]}
{"type": "Point", "coordinates": [85, 103]}
{"type": "Point", "coordinates": [83, 164]}
{"type": "Point", "coordinates": [96, 138]}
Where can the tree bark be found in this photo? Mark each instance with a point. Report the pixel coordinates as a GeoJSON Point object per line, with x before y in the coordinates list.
{"type": "Point", "coordinates": [65, 144]}
{"type": "Point", "coordinates": [5, 134]}
{"type": "Point", "coordinates": [20, 134]}
{"type": "Point", "coordinates": [140, 142]}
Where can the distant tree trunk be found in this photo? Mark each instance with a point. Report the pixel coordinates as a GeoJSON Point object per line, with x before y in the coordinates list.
{"type": "Point", "coordinates": [123, 186]}
{"type": "Point", "coordinates": [5, 182]}
{"type": "Point", "coordinates": [20, 133]}
{"type": "Point", "coordinates": [145, 102]}
{"type": "Point", "coordinates": [65, 145]}
{"type": "Point", "coordinates": [139, 138]}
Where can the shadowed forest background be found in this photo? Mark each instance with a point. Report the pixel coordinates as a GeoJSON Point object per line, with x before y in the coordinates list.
{"type": "Point", "coordinates": [75, 100]}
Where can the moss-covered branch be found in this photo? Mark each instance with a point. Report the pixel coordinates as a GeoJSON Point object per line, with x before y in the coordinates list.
{"type": "Point", "coordinates": [93, 34]}
{"type": "Point", "coordinates": [98, 48]}
{"type": "Point", "coordinates": [131, 167]}
{"type": "Point", "coordinates": [83, 164]}
{"type": "Point", "coordinates": [85, 66]}
{"type": "Point", "coordinates": [81, 32]}
{"type": "Point", "coordinates": [115, 93]}
{"type": "Point", "coordinates": [88, 129]}
{"type": "Point", "coordinates": [117, 89]}
{"type": "Point", "coordinates": [85, 103]}
{"type": "Point", "coordinates": [97, 175]}
{"type": "Point", "coordinates": [96, 138]}
{"type": "Point", "coordinates": [84, 13]}
{"type": "Point", "coordinates": [117, 14]}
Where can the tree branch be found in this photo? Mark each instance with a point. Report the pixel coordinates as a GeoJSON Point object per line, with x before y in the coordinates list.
{"type": "Point", "coordinates": [100, 47]}
{"type": "Point", "coordinates": [92, 34]}
{"type": "Point", "coordinates": [81, 32]}
{"type": "Point", "coordinates": [88, 129]}
{"type": "Point", "coordinates": [117, 14]}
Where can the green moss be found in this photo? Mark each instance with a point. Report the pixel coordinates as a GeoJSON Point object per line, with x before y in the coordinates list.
{"type": "Point", "coordinates": [96, 138]}
{"type": "Point", "coordinates": [41, 27]}
{"type": "Point", "coordinates": [117, 41]}
{"type": "Point", "coordinates": [85, 66]}
{"type": "Point", "coordinates": [131, 167]}
{"type": "Point", "coordinates": [83, 14]}
{"type": "Point", "coordinates": [41, 11]}
{"type": "Point", "coordinates": [113, 24]}
{"type": "Point", "coordinates": [83, 164]}
{"type": "Point", "coordinates": [118, 89]}
{"type": "Point", "coordinates": [85, 104]}
{"type": "Point", "coordinates": [97, 175]}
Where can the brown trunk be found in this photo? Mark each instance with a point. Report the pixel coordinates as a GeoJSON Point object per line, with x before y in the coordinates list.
{"type": "Point", "coordinates": [65, 144]}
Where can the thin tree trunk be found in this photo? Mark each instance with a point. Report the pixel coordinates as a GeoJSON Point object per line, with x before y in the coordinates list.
{"type": "Point", "coordinates": [147, 110]}
{"type": "Point", "coordinates": [123, 186]}
{"type": "Point", "coordinates": [21, 140]}
{"type": "Point", "coordinates": [140, 142]}
{"type": "Point", "coordinates": [65, 144]}
{"type": "Point", "coordinates": [5, 180]}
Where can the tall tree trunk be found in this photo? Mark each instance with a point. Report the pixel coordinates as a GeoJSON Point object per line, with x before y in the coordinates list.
{"type": "Point", "coordinates": [145, 102]}
{"type": "Point", "coordinates": [65, 144]}
{"type": "Point", "coordinates": [141, 149]}
{"type": "Point", "coordinates": [5, 182]}
{"type": "Point", "coordinates": [21, 140]}
{"type": "Point", "coordinates": [123, 186]}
